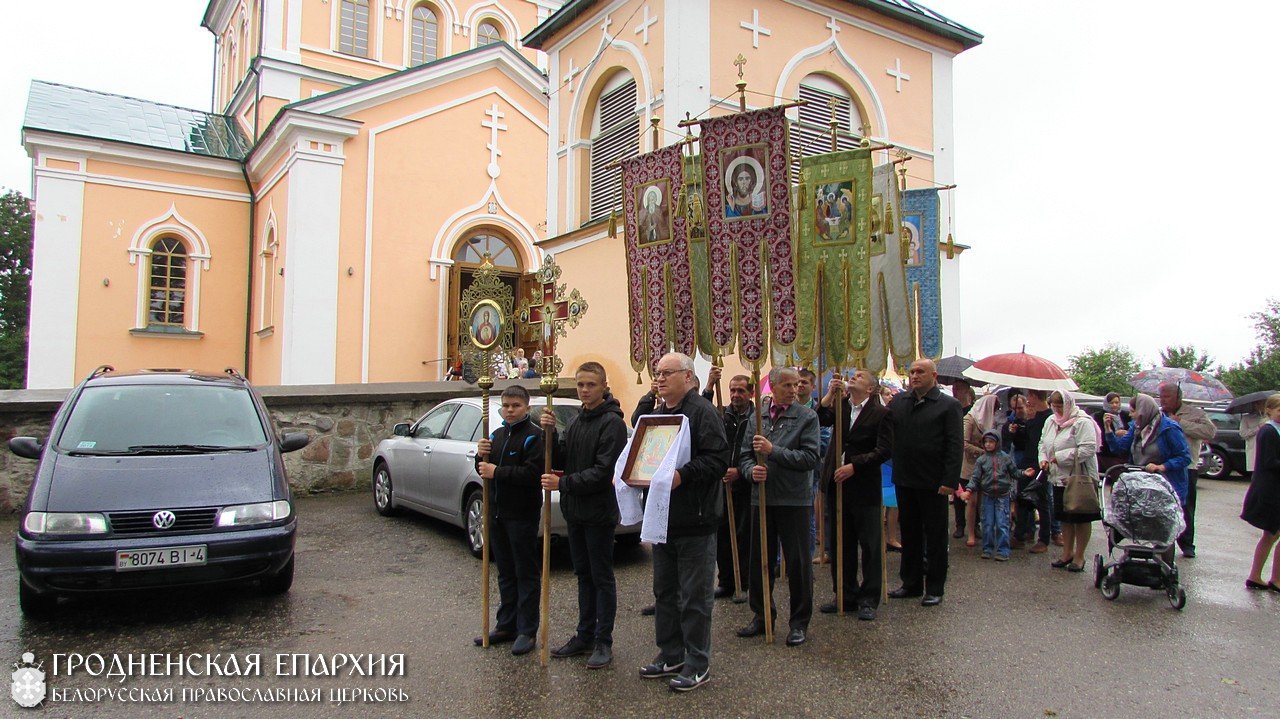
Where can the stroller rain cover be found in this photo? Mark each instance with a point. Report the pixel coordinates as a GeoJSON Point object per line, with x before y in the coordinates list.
{"type": "Point", "coordinates": [1144, 508]}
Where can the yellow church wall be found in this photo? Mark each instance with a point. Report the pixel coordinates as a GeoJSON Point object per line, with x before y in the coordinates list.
{"type": "Point", "coordinates": [108, 293]}
{"type": "Point", "coordinates": [311, 88]}
{"type": "Point", "coordinates": [268, 107]}
{"type": "Point", "coordinates": [170, 177]}
{"type": "Point", "coordinates": [265, 352]}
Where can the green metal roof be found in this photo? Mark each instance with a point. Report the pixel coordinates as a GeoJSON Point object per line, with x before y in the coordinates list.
{"type": "Point", "coordinates": [88, 113]}
{"type": "Point", "coordinates": [912, 13]}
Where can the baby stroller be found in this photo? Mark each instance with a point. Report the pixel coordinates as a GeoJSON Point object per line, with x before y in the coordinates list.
{"type": "Point", "coordinates": [1141, 518]}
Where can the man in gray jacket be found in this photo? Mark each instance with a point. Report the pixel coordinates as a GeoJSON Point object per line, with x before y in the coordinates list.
{"type": "Point", "coordinates": [781, 460]}
{"type": "Point", "coordinates": [1198, 428]}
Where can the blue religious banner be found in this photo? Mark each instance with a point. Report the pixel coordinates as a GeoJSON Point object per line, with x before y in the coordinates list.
{"type": "Point", "coordinates": [920, 226]}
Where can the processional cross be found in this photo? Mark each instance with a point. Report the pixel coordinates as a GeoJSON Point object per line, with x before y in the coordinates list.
{"type": "Point", "coordinates": [550, 310]}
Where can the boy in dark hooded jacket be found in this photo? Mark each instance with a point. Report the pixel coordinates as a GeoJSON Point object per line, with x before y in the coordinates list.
{"type": "Point", "coordinates": [587, 451]}
{"type": "Point", "coordinates": [996, 475]}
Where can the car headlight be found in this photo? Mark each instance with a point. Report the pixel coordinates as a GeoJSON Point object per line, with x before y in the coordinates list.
{"type": "Point", "coordinates": [259, 513]}
{"type": "Point", "coordinates": [65, 523]}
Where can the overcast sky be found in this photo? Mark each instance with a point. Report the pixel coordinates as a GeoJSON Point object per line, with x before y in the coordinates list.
{"type": "Point", "coordinates": [1113, 158]}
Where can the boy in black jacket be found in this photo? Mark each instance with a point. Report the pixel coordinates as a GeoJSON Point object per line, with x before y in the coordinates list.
{"type": "Point", "coordinates": [587, 451]}
{"type": "Point", "coordinates": [513, 459]}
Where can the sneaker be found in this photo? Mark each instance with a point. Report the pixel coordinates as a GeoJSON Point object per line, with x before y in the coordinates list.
{"type": "Point", "coordinates": [689, 682]}
{"type": "Point", "coordinates": [986, 555]}
{"type": "Point", "coordinates": [648, 611]}
{"type": "Point", "coordinates": [659, 669]}
{"type": "Point", "coordinates": [1039, 548]}
{"type": "Point", "coordinates": [571, 648]}
{"type": "Point", "coordinates": [601, 657]}
{"type": "Point", "coordinates": [1002, 557]}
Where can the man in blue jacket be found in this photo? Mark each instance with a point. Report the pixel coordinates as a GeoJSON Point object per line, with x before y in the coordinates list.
{"type": "Point", "coordinates": [588, 450]}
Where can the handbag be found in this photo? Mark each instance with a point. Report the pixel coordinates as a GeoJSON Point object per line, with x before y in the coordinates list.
{"type": "Point", "coordinates": [1080, 494]}
{"type": "Point", "coordinates": [1031, 489]}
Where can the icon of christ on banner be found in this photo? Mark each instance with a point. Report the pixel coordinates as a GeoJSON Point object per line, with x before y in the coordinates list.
{"type": "Point", "coordinates": [745, 180]}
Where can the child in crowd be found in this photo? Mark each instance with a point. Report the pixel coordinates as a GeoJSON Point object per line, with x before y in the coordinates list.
{"type": "Point", "coordinates": [995, 475]}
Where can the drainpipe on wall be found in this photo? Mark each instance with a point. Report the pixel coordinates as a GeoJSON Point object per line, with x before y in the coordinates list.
{"type": "Point", "coordinates": [253, 194]}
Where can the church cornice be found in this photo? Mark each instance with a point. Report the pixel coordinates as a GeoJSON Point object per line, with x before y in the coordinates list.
{"type": "Point", "coordinates": [291, 129]}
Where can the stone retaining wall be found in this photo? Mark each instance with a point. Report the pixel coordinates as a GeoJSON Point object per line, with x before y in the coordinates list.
{"type": "Point", "coordinates": [345, 423]}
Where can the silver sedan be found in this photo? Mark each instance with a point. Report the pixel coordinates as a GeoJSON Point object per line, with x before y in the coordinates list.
{"type": "Point", "coordinates": [429, 467]}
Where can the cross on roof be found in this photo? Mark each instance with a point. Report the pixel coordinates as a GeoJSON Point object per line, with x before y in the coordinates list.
{"type": "Point", "coordinates": [644, 25]}
{"type": "Point", "coordinates": [897, 73]}
{"type": "Point", "coordinates": [756, 28]}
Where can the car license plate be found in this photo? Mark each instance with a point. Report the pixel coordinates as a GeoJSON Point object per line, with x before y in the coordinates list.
{"type": "Point", "coordinates": [159, 558]}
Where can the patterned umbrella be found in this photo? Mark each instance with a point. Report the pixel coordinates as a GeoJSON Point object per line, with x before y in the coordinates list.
{"type": "Point", "coordinates": [1195, 386]}
{"type": "Point", "coordinates": [1019, 369]}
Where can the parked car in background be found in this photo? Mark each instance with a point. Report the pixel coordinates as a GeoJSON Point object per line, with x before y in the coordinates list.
{"type": "Point", "coordinates": [154, 479]}
{"type": "Point", "coordinates": [428, 466]}
{"type": "Point", "coordinates": [1223, 454]}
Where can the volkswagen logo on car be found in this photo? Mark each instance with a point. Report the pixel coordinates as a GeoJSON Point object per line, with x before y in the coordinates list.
{"type": "Point", "coordinates": [163, 519]}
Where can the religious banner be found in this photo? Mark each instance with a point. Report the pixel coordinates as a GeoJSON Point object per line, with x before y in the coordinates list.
{"type": "Point", "coordinates": [833, 258]}
{"type": "Point", "coordinates": [924, 278]}
{"type": "Point", "coordinates": [746, 185]}
{"type": "Point", "coordinates": [892, 318]}
{"type": "Point", "coordinates": [699, 256]}
{"type": "Point", "coordinates": [660, 304]}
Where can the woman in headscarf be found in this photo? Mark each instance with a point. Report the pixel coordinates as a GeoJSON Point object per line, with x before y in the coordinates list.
{"type": "Point", "coordinates": [1069, 447]}
{"type": "Point", "coordinates": [983, 417]}
{"type": "Point", "coordinates": [1155, 443]}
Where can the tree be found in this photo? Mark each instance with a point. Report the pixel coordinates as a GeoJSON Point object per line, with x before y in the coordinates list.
{"type": "Point", "coordinates": [1105, 370]}
{"type": "Point", "coordinates": [1186, 358]}
{"type": "Point", "coordinates": [15, 287]}
{"type": "Point", "coordinates": [1261, 369]}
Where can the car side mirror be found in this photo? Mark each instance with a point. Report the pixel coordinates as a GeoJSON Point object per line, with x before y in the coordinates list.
{"type": "Point", "coordinates": [26, 447]}
{"type": "Point", "coordinates": [401, 430]}
{"type": "Point", "coordinates": [292, 441]}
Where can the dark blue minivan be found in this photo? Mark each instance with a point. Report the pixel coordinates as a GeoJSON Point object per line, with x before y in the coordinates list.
{"type": "Point", "coordinates": [155, 478]}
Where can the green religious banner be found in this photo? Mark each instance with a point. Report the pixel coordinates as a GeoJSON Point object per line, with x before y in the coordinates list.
{"type": "Point", "coordinates": [699, 259]}
{"type": "Point", "coordinates": [832, 258]}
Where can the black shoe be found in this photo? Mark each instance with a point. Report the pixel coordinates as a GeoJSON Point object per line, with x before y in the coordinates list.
{"type": "Point", "coordinates": [904, 593]}
{"type": "Point", "coordinates": [796, 638]}
{"type": "Point", "coordinates": [892, 548]}
{"type": "Point", "coordinates": [867, 614]}
{"type": "Point", "coordinates": [958, 533]}
{"type": "Point", "coordinates": [754, 629]}
{"type": "Point", "coordinates": [658, 669]}
{"type": "Point", "coordinates": [689, 682]}
{"type": "Point", "coordinates": [722, 592]}
{"type": "Point", "coordinates": [601, 657]}
{"type": "Point", "coordinates": [828, 608]}
{"type": "Point", "coordinates": [740, 599]}
{"type": "Point", "coordinates": [1189, 553]}
{"type": "Point", "coordinates": [496, 638]}
{"type": "Point", "coordinates": [571, 648]}
{"type": "Point", "coordinates": [524, 644]}
{"type": "Point", "coordinates": [931, 600]}
{"type": "Point", "coordinates": [648, 611]}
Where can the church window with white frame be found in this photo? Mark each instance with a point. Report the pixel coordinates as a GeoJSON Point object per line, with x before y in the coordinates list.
{"type": "Point", "coordinates": [811, 135]}
{"type": "Point", "coordinates": [167, 289]}
{"type": "Point", "coordinates": [353, 27]}
{"type": "Point", "coordinates": [267, 272]}
{"type": "Point", "coordinates": [474, 248]}
{"type": "Point", "coordinates": [424, 43]}
{"type": "Point", "coordinates": [615, 135]}
{"type": "Point", "coordinates": [487, 33]}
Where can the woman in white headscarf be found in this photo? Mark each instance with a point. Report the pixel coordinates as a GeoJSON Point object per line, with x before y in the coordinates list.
{"type": "Point", "coordinates": [1069, 447]}
{"type": "Point", "coordinates": [983, 417]}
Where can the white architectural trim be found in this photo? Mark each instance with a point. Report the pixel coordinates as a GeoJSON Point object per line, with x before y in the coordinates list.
{"type": "Point", "coordinates": [40, 143]}
{"type": "Point", "coordinates": [55, 282]}
{"type": "Point", "coordinates": [944, 173]}
{"type": "Point", "coordinates": [828, 13]}
{"type": "Point", "coordinates": [146, 185]}
{"type": "Point", "coordinates": [293, 41]}
{"type": "Point", "coordinates": [832, 45]}
{"type": "Point", "coordinates": [353, 58]}
{"type": "Point", "coordinates": [268, 246]}
{"type": "Point", "coordinates": [371, 166]}
{"type": "Point", "coordinates": [198, 257]}
{"type": "Point", "coordinates": [497, 13]}
{"type": "Point", "coordinates": [292, 133]}
{"type": "Point", "coordinates": [446, 16]}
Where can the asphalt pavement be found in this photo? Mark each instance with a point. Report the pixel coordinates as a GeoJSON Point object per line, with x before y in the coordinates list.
{"type": "Point", "coordinates": [1014, 639]}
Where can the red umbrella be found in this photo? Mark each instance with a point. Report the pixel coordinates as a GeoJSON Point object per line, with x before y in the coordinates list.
{"type": "Point", "coordinates": [1019, 369]}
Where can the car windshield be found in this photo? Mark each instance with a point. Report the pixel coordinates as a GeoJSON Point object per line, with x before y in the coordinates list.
{"type": "Point", "coordinates": [154, 418]}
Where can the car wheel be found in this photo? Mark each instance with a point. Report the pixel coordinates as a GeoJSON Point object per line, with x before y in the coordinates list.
{"type": "Point", "coordinates": [1216, 465]}
{"type": "Point", "coordinates": [280, 582]}
{"type": "Point", "coordinates": [382, 500]}
{"type": "Point", "coordinates": [473, 521]}
{"type": "Point", "coordinates": [35, 605]}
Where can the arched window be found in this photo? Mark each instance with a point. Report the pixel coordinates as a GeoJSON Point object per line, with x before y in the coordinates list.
{"type": "Point", "coordinates": [424, 45]}
{"type": "Point", "coordinates": [167, 291]}
{"type": "Point", "coordinates": [615, 134]}
{"type": "Point", "coordinates": [353, 28]}
{"type": "Point", "coordinates": [267, 278]}
{"type": "Point", "coordinates": [812, 134]}
{"type": "Point", "coordinates": [473, 249]}
{"type": "Point", "coordinates": [487, 33]}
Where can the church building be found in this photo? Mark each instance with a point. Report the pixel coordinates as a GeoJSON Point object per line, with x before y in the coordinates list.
{"type": "Point", "coordinates": [319, 225]}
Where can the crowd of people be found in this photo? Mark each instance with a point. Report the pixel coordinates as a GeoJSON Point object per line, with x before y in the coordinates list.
{"type": "Point", "coordinates": [887, 463]}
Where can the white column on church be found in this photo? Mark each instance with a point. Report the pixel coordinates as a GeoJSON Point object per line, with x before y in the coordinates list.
{"type": "Point", "coordinates": [944, 173]}
{"type": "Point", "coordinates": [55, 280]}
{"type": "Point", "coordinates": [686, 25]}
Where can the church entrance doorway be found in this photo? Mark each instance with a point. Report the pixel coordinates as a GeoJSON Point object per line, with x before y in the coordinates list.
{"type": "Point", "coordinates": [467, 257]}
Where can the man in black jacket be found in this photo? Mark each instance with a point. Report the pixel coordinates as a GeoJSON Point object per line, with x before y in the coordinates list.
{"type": "Point", "coordinates": [684, 567]}
{"type": "Point", "coordinates": [927, 441]}
{"type": "Point", "coordinates": [588, 450]}
{"type": "Point", "coordinates": [513, 459]}
{"type": "Point", "coordinates": [867, 444]}
{"type": "Point", "coordinates": [738, 417]}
